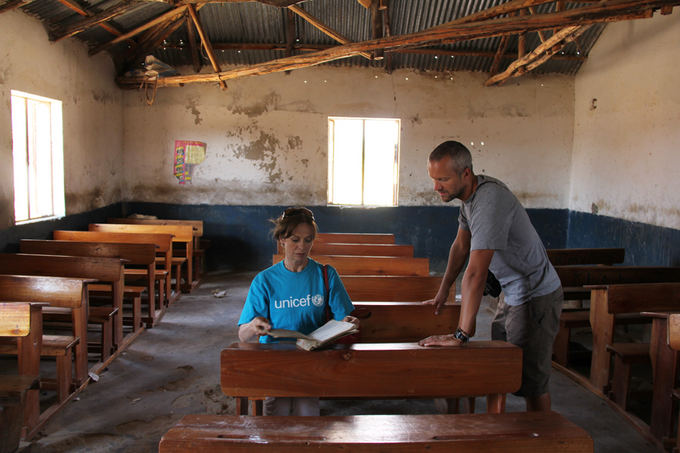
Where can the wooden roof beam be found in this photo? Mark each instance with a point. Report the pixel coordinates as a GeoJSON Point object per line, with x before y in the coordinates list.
{"type": "Point", "coordinates": [206, 44]}
{"type": "Point", "coordinates": [604, 11]}
{"type": "Point", "coordinates": [13, 4]}
{"type": "Point", "coordinates": [95, 20]}
{"type": "Point", "coordinates": [173, 13]}
{"type": "Point", "coordinates": [86, 13]}
{"type": "Point", "coordinates": [324, 28]}
{"type": "Point", "coordinates": [539, 55]}
{"type": "Point", "coordinates": [150, 41]}
{"type": "Point", "coordinates": [193, 47]}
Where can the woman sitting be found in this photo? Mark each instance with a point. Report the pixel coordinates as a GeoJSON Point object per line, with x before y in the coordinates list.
{"type": "Point", "coordinates": [290, 295]}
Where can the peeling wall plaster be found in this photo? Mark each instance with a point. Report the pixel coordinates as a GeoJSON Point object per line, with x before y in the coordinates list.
{"type": "Point", "coordinates": [92, 112]}
{"type": "Point", "coordinates": [627, 115]}
{"type": "Point", "coordinates": [267, 136]}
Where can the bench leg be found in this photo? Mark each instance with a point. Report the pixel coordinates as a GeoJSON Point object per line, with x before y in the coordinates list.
{"type": "Point", "coordinates": [561, 346]}
{"type": "Point", "coordinates": [241, 406]}
{"type": "Point", "coordinates": [495, 403]}
{"type": "Point", "coordinates": [620, 381]}
{"type": "Point", "coordinates": [137, 312]}
{"type": "Point", "coordinates": [178, 279]}
{"type": "Point", "coordinates": [64, 375]}
{"type": "Point", "coordinates": [256, 406]}
{"type": "Point", "coordinates": [11, 418]}
{"type": "Point", "coordinates": [107, 339]}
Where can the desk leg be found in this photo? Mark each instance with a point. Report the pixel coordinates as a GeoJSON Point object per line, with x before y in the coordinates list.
{"type": "Point", "coordinates": [665, 361]}
{"type": "Point", "coordinates": [602, 324]}
{"type": "Point", "coordinates": [495, 403]}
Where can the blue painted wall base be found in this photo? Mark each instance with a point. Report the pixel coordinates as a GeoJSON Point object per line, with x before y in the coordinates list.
{"type": "Point", "coordinates": [240, 235]}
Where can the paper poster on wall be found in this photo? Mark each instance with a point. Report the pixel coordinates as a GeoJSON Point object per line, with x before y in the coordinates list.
{"type": "Point", "coordinates": [187, 154]}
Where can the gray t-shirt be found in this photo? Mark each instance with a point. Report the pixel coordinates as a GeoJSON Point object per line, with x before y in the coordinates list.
{"type": "Point", "coordinates": [497, 221]}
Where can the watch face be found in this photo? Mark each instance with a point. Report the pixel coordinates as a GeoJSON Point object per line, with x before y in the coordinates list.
{"type": "Point", "coordinates": [459, 335]}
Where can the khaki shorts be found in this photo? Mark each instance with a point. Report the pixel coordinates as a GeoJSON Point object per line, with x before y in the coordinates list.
{"type": "Point", "coordinates": [532, 326]}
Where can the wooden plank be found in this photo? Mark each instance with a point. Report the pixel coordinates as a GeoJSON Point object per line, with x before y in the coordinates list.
{"type": "Point", "coordinates": [403, 321]}
{"type": "Point", "coordinates": [563, 257]}
{"type": "Point", "coordinates": [372, 265]}
{"type": "Point", "coordinates": [15, 320]}
{"type": "Point", "coordinates": [322, 248]}
{"type": "Point", "coordinates": [674, 331]}
{"type": "Point", "coordinates": [371, 370]}
{"type": "Point", "coordinates": [356, 238]}
{"type": "Point", "coordinates": [572, 276]}
{"type": "Point", "coordinates": [499, 433]}
{"type": "Point", "coordinates": [643, 297]}
{"type": "Point", "coordinates": [389, 288]}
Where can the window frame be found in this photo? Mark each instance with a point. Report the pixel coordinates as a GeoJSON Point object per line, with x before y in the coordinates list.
{"type": "Point", "coordinates": [331, 158]}
{"type": "Point", "coordinates": [25, 149]}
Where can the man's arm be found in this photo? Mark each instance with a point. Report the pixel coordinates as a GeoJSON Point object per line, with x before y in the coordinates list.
{"type": "Point", "coordinates": [457, 255]}
{"type": "Point", "coordinates": [472, 291]}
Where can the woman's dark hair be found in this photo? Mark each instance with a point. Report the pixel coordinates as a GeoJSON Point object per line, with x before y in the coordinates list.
{"type": "Point", "coordinates": [290, 219]}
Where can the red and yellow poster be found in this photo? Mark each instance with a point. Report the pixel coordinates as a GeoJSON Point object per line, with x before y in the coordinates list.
{"type": "Point", "coordinates": [187, 154]}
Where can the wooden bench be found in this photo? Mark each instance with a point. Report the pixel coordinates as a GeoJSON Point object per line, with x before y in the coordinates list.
{"type": "Point", "coordinates": [163, 243]}
{"type": "Point", "coordinates": [606, 301]}
{"type": "Point", "coordinates": [143, 255]}
{"type": "Point", "coordinates": [574, 281]}
{"type": "Point", "coordinates": [390, 288]}
{"type": "Point", "coordinates": [57, 292]}
{"type": "Point", "coordinates": [109, 270]}
{"type": "Point", "coordinates": [181, 234]}
{"type": "Point", "coordinates": [383, 322]}
{"type": "Point", "coordinates": [564, 257]}
{"type": "Point", "coordinates": [19, 398]}
{"type": "Point", "coordinates": [196, 225]}
{"type": "Point", "coordinates": [479, 433]}
{"type": "Point", "coordinates": [351, 238]}
{"type": "Point", "coordinates": [671, 355]}
{"type": "Point", "coordinates": [332, 248]}
{"type": "Point", "coordinates": [372, 370]}
{"type": "Point", "coordinates": [372, 265]}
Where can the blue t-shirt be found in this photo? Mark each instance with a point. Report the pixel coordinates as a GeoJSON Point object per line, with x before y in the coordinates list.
{"type": "Point", "coordinates": [295, 300]}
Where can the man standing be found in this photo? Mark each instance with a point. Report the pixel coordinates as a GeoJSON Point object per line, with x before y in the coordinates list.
{"type": "Point", "coordinates": [496, 234]}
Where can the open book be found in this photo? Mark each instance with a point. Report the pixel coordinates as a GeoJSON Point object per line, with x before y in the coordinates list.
{"type": "Point", "coordinates": [330, 331]}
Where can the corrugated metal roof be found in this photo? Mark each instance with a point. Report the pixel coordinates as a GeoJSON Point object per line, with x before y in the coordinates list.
{"type": "Point", "coordinates": [259, 23]}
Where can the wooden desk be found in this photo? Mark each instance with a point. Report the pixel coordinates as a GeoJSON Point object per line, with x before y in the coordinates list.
{"type": "Point", "coordinates": [519, 432]}
{"type": "Point", "coordinates": [392, 288]}
{"type": "Point", "coordinates": [328, 248]}
{"type": "Point", "coordinates": [403, 321]}
{"type": "Point", "coordinates": [608, 256]}
{"type": "Point", "coordinates": [373, 370]}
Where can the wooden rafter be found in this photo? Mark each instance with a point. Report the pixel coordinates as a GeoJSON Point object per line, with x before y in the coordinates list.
{"type": "Point", "coordinates": [289, 26]}
{"type": "Point", "coordinates": [13, 4]}
{"type": "Point", "coordinates": [95, 20]}
{"type": "Point", "coordinates": [173, 13]}
{"type": "Point", "coordinates": [153, 38]}
{"type": "Point", "coordinates": [206, 43]}
{"type": "Point", "coordinates": [70, 4]}
{"type": "Point", "coordinates": [377, 28]}
{"type": "Point", "coordinates": [323, 27]}
{"type": "Point", "coordinates": [539, 55]}
{"type": "Point", "coordinates": [541, 35]}
{"type": "Point", "coordinates": [604, 11]}
{"type": "Point", "coordinates": [193, 48]}
{"type": "Point", "coordinates": [502, 47]}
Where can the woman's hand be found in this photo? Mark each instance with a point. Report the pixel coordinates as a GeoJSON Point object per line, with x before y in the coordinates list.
{"type": "Point", "coordinates": [440, 340]}
{"type": "Point", "coordinates": [352, 319]}
{"type": "Point", "coordinates": [258, 326]}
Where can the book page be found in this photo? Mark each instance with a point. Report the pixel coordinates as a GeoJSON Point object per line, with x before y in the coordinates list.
{"type": "Point", "coordinates": [332, 329]}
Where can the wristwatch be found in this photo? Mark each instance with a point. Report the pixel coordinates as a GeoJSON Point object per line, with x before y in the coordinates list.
{"type": "Point", "coordinates": [461, 336]}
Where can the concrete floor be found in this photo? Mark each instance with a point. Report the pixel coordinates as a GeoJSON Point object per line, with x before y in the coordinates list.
{"type": "Point", "coordinates": [173, 370]}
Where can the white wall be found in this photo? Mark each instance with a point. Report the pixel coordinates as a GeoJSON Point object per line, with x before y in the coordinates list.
{"type": "Point", "coordinates": [267, 135]}
{"type": "Point", "coordinates": [626, 158]}
{"type": "Point", "coordinates": [92, 111]}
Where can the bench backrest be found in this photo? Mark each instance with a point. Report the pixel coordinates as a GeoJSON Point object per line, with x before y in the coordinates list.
{"type": "Point", "coordinates": [196, 225]}
{"type": "Point", "coordinates": [323, 248]}
{"type": "Point", "coordinates": [372, 265]}
{"type": "Point", "coordinates": [162, 241]}
{"type": "Point", "coordinates": [376, 370]}
{"type": "Point", "coordinates": [15, 319]}
{"type": "Point", "coordinates": [634, 298]}
{"type": "Point", "coordinates": [603, 275]}
{"type": "Point", "coordinates": [103, 269]}
{"type": "Point", "coordinates": [181, 233]}
{"type": "Point", "coordinates": [135, 254]}
{"type": "Point", "coordinates": [436, 433]}
{"type": "Point", "coordinates": [563, 257]}
{"type": "Point", "coordinates": [356, 238]}
{"type": "Point", "coordinates": [57, 291]}
{"type": "Point", "coordinates": [390, 288]}
{"type": "Point", "coordinates": [403, 321]}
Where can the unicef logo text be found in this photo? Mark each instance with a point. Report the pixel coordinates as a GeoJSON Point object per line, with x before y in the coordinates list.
{"type": "Point", "coordinates": [316, 300]}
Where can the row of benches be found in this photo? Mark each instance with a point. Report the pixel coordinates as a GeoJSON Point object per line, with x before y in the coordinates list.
{"type": "Point", "coordinates": [83, 277]}
{"type": "Point", "coordinates": [398, 369]}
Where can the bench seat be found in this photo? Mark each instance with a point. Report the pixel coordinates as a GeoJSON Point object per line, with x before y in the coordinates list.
{"type": "Point", "coordinates": [498, 433]}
